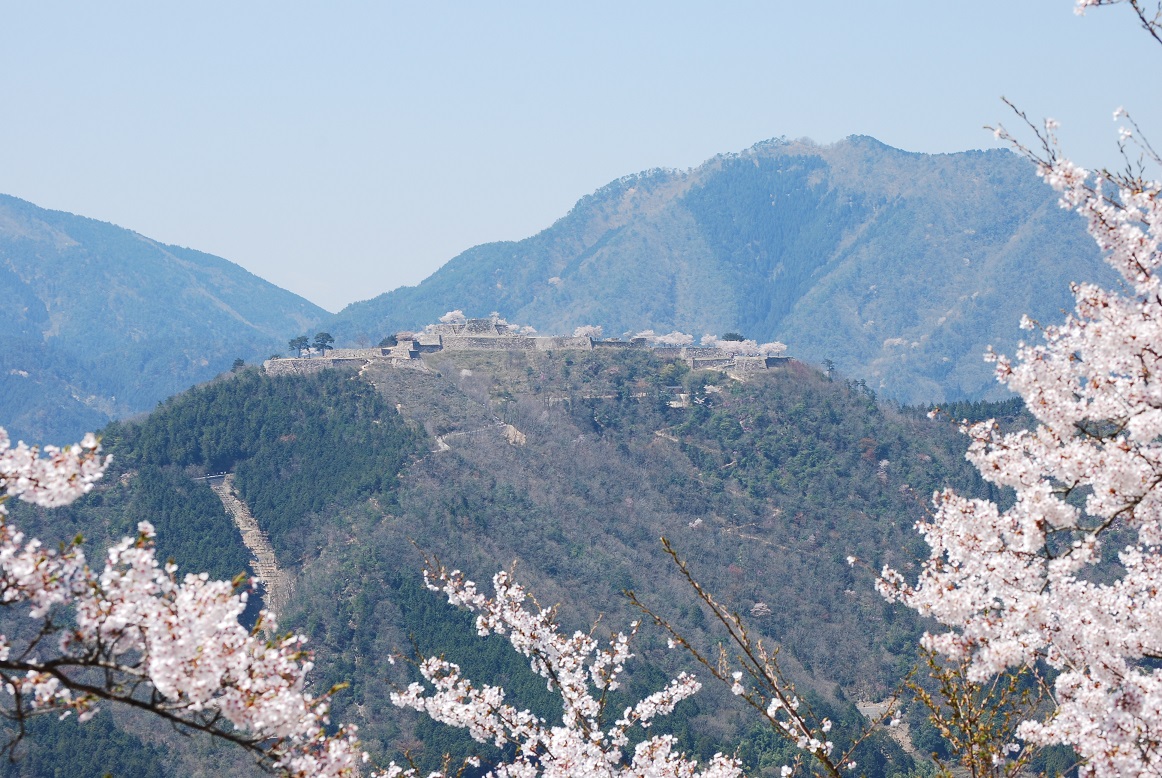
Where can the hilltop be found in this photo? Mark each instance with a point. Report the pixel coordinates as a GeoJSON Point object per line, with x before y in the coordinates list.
{"type": "Point", "coordinates": [901, 268]}
{"type": "Point", "coordinates": [459, 333]}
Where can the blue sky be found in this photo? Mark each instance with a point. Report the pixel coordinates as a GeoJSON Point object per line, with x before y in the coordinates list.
{"type": "Point", "coordinates": [341, 149]}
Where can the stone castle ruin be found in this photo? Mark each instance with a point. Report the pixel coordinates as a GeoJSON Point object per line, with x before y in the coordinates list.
{"type": "Point", "coordinates": [495, 334]}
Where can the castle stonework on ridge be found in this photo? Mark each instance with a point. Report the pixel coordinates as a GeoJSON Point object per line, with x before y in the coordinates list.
{"type": "Point", "coordinates": [494, 334]}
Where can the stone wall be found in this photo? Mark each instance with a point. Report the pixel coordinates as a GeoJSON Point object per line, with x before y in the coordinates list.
{"type": "Point", "coordinates": [584, 343]}
{"type": "Point", "coordinates": [745, 365]}
{"type": "Point", "coordinates": [703, 352]}
{"type": "Point", "coordinates": [602, 344]}
{"type": "Point", "coordinates": [707, 363]}
{"type": "Point", "coordinates": [491, 337]}
{"type": "Point", "coordinates": [354, 353]}
{"type": "Point", "coordinates": [484, 343]}
{"type": "Point", "coordinates": [405, 349]}
{"type": "Point", "coordinates": [484, 327]}
{"type": "Point", "coordinates": [749, 364]}
{"type": "Point", "coordinates": [308, 366]}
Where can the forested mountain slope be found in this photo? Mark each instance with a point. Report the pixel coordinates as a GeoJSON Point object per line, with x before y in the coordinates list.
{"type": "Point", "coordinates": [900, 267]}
{"type": "Point", "coordinates": [767, 486]}
{"type": "Point", "coordinates": [100, 322]}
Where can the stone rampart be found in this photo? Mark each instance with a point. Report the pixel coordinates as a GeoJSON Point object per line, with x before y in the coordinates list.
{"type": "Point", "coordinates": [429, 340]}
{"type": "Point", "coordinates": [583, 343]}
{"type": "Point", "coordinates": [704, 352]}
{"type": "Point", "coordinates": [484, 327]}
{"type": "Point", "coordinates": [749, 364]}
{"type": "Point", "coordinates": [745, 365]}
{"type": "Point", "coordinates": [308, 366]}
{"type": "Point", "coordinates": [603, 344]}
{"type": "Point", "coordinates": [405, 349]}
{"type": "Point", "coordinates": [491, 335]}
{"type": "Point", "coordinates": [353, 353]}
{"type": "Point", "coordinates": [485, 343]}
{"type": "Point", "coordinates": [707, 363]}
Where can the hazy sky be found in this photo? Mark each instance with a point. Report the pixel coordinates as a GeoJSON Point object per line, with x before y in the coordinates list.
{"type": "Point", "coordinates": [341, 149]}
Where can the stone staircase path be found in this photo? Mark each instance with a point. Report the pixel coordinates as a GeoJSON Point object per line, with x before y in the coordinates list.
{"type": "Point", "coordinates": [278, 583]}
{"type": "Point", "coordinates": [875, 712]}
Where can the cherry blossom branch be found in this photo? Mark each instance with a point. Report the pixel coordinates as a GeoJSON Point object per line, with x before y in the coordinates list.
{"type": "Point", "coordinates": [577, 669]}
{"type": "Point", "coordinates": [138, 636]}
{"type": "Point", "coordinates": [978, 720]}
{"type": "Point", "coordinates": [1151, 23]}
{"type": "Point", "coordinates": [1028, 583]}
{"type": "Point", "coordinates": [767, 690]}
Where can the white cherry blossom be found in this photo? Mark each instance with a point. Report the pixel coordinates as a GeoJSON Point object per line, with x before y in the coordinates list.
{"type": "Point", "coordinates": [171, 646]}
{"type": "Point", "coordinates": [578, 669]}
{"type": "Point", "coordinates": [743, 348]}
{"type": "Point", "coordinates": [1035, 581]}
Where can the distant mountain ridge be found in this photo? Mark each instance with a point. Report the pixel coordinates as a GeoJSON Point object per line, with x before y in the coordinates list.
{"type": "Point", "coordinates": [900, 267]}
{"type": "Point", "coordinates": [101, 322]}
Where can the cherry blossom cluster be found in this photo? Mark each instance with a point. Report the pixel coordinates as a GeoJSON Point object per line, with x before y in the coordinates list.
{"type": "Point", "coordinates": [589, 331]}
{"type": "Point", "coordinates": [172, 647]}
{"type": "Point", "coordinates": [454, 317]}
{"type": "Point", "coordinates": [458, 317]}
{"type": "Point", "coordinates": [672, 339]}
{"type": "Point", "coordinates": [56, 478]}
{"type": "Point", "coordinates": [744, 348]}
{"type": "Point", "coordinates": [577, 668]}
{"type": "Point", "coordinates": [1034, 581]}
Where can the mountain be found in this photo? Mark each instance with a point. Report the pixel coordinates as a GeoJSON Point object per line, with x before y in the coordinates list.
{"type": "Point", "coordinates": [570, 465]}
{"type": "Point", "coordinates": [100, 322]}
{"type": "Point", "coordinates": [902, 268]}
